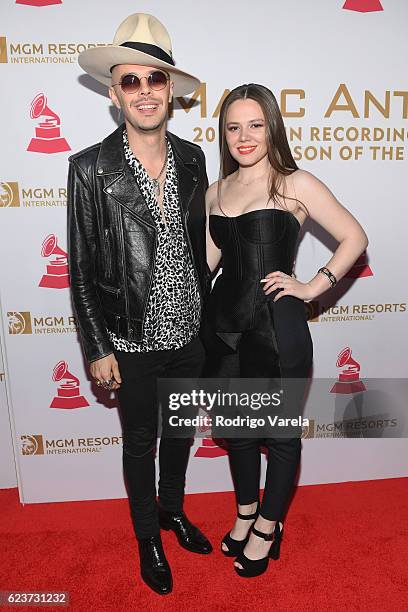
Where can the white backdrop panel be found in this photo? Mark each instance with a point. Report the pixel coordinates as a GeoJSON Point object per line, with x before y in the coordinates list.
{"type": "Point", "coordinates": [328, 66]}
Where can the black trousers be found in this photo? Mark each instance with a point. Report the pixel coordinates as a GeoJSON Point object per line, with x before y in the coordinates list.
{"type": "Point", "coordinates": [279, 346]}
{"type": "Point", "coordinates": [139, 416]}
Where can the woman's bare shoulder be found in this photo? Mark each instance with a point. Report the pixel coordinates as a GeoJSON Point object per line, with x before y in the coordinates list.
{"type": "Point", "coordinates": [305, 181]}
{"type": "Point", "coordinates": [211, 193]}
{"type": "Point", "coordinates": [214, 190]}
{"type": "Point", "coordinates": [211, 196]}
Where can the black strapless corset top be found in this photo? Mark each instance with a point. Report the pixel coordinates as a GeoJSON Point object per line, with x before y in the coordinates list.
{"type": "Point", "coordinates": [256, 242]}
{"type": "Point", "coordinates": [252, 245]}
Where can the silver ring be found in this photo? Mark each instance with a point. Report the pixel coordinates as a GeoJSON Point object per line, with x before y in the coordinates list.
{"type": "Point", "coordinates": [108, 383]}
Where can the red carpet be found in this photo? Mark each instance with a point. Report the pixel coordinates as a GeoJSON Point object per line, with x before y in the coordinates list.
{"type": "Point", "coordinates": [345, 548]}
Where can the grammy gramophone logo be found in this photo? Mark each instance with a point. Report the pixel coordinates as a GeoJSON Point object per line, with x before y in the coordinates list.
{"type": "Point", "coordinates": [48, 137]}
{"type": "Point", "coordinates": [361, 268]}
{"type": "Point", "coordinates": [9, 195]}
{"type": "Point", "coordinates": [38, 2]}
{"type": "Point", "coordinates": [68, 392]}
{"type": "Point", "coordinates": [209, 449]}
{"type": "Point", "coordinates": [349, 378]}
{"type": "Point", "coordinates": [363, 6]}
{"type": "Point", "coordinates": [57, 274]}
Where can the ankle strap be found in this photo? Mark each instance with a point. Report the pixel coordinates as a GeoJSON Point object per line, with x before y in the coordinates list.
{"type": "Point", "coordinates": [248, 517]}
{"type": "Point", "coordinates": [265, 536]}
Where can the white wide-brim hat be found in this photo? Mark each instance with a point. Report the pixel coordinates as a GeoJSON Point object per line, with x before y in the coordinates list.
{"type": "Point", "coordinates": [140, 39]}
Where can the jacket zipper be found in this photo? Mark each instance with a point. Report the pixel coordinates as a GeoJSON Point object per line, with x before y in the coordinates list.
{"type": "Point", "coordinates": [108, 289]}
{"type": "Point", "coordinates": [108, 255]}
{"type": "Point", "coordinates": [186, 232]}
{"type": "Point", "coordinates": [150, 283]}
{"type": "Point", "coordinates": [192, 257]}
{"type": "Point", "coordinates": [125, 285]}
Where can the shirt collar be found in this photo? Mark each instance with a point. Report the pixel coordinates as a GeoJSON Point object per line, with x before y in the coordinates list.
{"type": "Point", "coordinates": [134, 162]}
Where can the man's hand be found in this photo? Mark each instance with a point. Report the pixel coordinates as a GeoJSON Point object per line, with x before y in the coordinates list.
{"type": "Point", "coordinates": [105, 369]}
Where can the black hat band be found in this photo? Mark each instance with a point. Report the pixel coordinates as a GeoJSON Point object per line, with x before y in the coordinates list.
{"type": "Point", "coordinates": [150, 50]}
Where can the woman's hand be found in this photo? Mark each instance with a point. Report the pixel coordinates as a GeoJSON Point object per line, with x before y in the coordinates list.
{"type": "Point", "coordinates": [289, 284]}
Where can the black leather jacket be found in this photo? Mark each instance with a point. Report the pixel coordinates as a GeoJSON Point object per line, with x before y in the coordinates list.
{"type": "Point", "coordinates": [112, 238]}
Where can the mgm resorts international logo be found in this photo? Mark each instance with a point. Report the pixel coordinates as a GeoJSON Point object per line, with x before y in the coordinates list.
{"type": "Point", "coordinates": [319, 313]}
{"type": "Point", "coordinates": [352, 428]}
{"type": "Point", "coordinates": [14, 196]}
{"type": "Point", "coordinates": [24, 322]}
{"type": "Point", "coordinates": [24, 52]}
{"type": "Point", "coordinates": [38, 444]}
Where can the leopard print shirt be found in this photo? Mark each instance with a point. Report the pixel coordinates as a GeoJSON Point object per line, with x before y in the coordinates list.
{"type": "Point", "coordinates": [174, 307]}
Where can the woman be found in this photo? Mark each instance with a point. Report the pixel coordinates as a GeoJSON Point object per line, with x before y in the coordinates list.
{"type": "Point", "coordinates": [256, 308]}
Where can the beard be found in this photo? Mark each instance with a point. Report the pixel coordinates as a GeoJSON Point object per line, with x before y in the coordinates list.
{"type": "Point", "coordinates": [155, 126]}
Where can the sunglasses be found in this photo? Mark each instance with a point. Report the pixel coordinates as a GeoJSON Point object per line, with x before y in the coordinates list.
{"type": "Point", "coordinates": [130, 83]}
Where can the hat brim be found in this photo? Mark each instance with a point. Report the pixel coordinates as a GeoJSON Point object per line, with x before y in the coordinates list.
{"type": "Point", "coordinates": [98, 61]}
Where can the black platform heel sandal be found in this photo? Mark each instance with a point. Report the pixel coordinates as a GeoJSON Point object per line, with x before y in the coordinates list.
{"type": "Point", "coordinates": [255, 567]}
{"type": "Point", "coordinates": [235, 547]}
{"type": "Point", "coordinates": [274, 552]}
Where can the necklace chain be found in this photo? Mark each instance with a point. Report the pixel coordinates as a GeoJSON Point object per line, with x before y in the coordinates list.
{"type": "Point", "coordinates": [250, 182]}
{"type": "Point", "coordinates": [155, 181]}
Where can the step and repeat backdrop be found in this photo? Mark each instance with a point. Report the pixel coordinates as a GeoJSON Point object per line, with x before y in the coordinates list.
{"type": "Point", "coordinates": [338, 71]}
{"type": "Point", "coordinates": [7, 463]}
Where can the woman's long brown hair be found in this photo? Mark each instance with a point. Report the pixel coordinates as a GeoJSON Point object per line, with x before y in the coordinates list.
{"type": "Point", "coordinates": [279, 153]}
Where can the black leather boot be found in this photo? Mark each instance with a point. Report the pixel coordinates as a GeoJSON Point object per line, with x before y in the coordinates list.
{"type": "Point", "coordinates": [154, 566]}
{"type": "Point", "coordinates": [189, 536]}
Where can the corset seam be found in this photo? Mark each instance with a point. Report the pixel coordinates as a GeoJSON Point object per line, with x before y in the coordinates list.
{"type": "Point", "coordinates": [237, 248]}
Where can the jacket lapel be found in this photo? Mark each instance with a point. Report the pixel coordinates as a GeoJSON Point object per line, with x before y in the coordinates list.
{"type": "Point", "coordinates": [119, 181]}
{"type": "Point", "coordinates": [187, 170]}
{"type": "Point", "coordinates": [125, 190]}
{"type": "Point", "coordinates": [118, 178]}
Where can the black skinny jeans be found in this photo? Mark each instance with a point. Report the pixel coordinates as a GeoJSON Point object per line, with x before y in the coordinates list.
{"type": "Point", "coordinates": [281, 347]}
{"type": "Point", "coordinates": [139, 416]}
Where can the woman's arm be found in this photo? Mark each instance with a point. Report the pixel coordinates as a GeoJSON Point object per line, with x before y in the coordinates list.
{"type": "Point", "coordinates": [213, 252]}
{"type": "Point", "coordinates": [325, 209]}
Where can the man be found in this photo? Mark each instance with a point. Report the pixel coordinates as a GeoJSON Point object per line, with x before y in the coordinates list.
{"type": "Point", "coordinates": [136, 224]}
